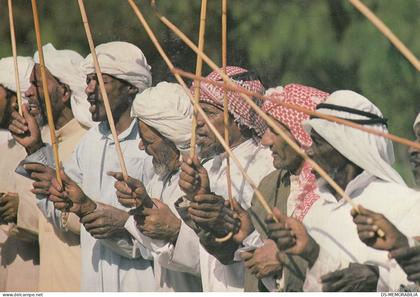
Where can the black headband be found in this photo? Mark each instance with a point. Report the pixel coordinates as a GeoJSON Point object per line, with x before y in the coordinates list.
{"type": "Point", "coordinates": [244, 76]}
{"type": "Point", "coordinates": [374, 119]}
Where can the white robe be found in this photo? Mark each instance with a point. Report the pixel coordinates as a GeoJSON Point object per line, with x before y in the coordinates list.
{"type": "Point", "coordinates": [169, 276]}
{"type": "Point", "coordinates": [215, 276]}
{"type": "Point", "coordinates": [329, 222]}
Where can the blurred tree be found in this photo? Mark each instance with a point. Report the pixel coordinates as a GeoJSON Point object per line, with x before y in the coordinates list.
{"type": "Point", "coordinates": [327, 44]}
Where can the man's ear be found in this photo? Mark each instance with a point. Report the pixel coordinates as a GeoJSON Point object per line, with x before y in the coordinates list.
{"type": "Point", "coordinates": [132, 90]}
{"type": "Point", "coordinates": [66, 92]}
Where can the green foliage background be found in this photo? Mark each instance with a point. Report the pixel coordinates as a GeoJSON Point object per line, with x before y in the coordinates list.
{"type": "Point", "coordinates": [323, 43]}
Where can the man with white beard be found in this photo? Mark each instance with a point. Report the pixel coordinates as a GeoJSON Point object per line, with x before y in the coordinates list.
{"type": "Point", "coordinates": [205, 181]}
{"type": "Point", "coordinates": [164, 115]}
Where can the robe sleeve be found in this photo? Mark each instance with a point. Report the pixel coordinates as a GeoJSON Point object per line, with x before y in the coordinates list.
{"type": "Point", "coordinates": [26, 227]}
{"type": "Point", "coordinates": [45, 156]}
{"type": "Point", "coordinates": [410, 227]}
{"type": "Point", "coordinates": [327, 263]}
{"type": "Point", "coordinates": [187, 250]}
{"type": "Point", "coordinates": [160, 250]}
{"type": "Point", "coordinates": [123, 245]}
{"type": "Point", "coordinates": [250, 243]}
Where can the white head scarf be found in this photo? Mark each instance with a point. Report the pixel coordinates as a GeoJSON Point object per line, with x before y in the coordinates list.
{"type": "Point", "coordinates": [65, 65]}
{"type": "Point", "coordinates": [168, 109]}
{"type": "Point", "coordinates": [7, 73]}
{"type": "Point", "coordinates": [372, 153]}
{"type": "Point", "coordinates": [122, 60]}
{"type": "Point", "coordinates": [416, 121]}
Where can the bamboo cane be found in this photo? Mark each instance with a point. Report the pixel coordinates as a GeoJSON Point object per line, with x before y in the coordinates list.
{"type": "Point", "coordinates": [168, 62]}
{"type": "Point", "coordinates": [384, 29]}
{"type": "Point", "coordinates": [225, 99]}
{"type": "Point", "coordinates": [102, 89]}
{"type": "Point", "coordinates": [14, 52]}
{"type": "Point", "coordinates": [198, 71]}
{"type": "Point", "coordinates": [45, 91]}
{"type": "Point", "coordinates": [226, 112]}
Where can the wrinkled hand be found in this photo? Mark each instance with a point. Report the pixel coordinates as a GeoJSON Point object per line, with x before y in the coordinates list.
{"type": "Point", "coordinates": [245, 226]}
{"type": "Point", "coordinates": [210, 213]}
{"type": "Point", "coordinates": [159, 222]}
{"type": "Point", "coordinates": [70, 196]}
{"type": "Point", "coordinates": [355, 278]}
{"type": "Point", "coordinates": [368, 222]}
{"type": "Point", "coordinates": [131, 192]}
{"type": "Point", "coordinates": [264, 261]}
{"type": "Point", "coordinates": [291, 236]}
{"type": "Point", "coordinates": [105, 221]}
{"type": "Point", "coordinates": [409, 260]}
{"type": "Point", "coordinates": [42, 175]}
{"type": "Point", "coordinates": [194, 178]}
{"type": "Point", "coordinates": [25, 130]}
{"type": "Point", "coordinates": [9, 203]}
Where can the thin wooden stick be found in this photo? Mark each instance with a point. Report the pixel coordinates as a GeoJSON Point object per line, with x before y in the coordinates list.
{"type": "Point", "coordinates": [14, 52]}
{"type": "Point", "coordinates": [225, 98]}
{"type": "Point", "coordinates": [159, 48]}
{"type": "Point", "coordinates": [384, 29]}
{"type": "Point", "coordinates": [45, 90]}
{"type": "Point", "coordinates": [102, 89]}
{"type": "Point", "coordinates": [226, 113]}
{"type": "Point", "coordinates": [239, 89]}
{"type": "Point", "coordinates": [198, 71]}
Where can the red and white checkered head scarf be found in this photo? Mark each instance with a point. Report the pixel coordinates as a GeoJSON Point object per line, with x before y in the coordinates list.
{"type": "Point", "coordinates": [296, 94]}
{"type": "Point", "coordinates": [307, 97]}
{"type": "Point", "coordinates": [238, 108]}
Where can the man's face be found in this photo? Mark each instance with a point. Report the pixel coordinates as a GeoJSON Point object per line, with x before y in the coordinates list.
{"type": "Point", "coordinates": [8, 104]}
{"type": "Point", "coordinates": [284, 157]}
{"type": "Point", "coordinates": [164, 152]}
{"type": "Point", "coordinates": [118, 92]}
{"type": "Point", "coordinates": [414, 155]}
{"type": "Point", "coordinates": [207, 142]}
{"type": "Point", "coordinates": [325, 155]}
{"type": "Point", "coordinates": [59, 94]}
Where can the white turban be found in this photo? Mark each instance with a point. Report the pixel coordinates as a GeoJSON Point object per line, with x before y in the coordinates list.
{"type": "Point", "coordinates": [372, 153]}
{"type": "Point", "coordinates": [7, 73]}
{"type": "Point", "coordinates": [122, 60]}
{"type": "Point", "coordinates": [65, 65]}
{"type": "Point", "coordinates": [416, 121]}
{"type": "Point", "coordinates": [168, 109]}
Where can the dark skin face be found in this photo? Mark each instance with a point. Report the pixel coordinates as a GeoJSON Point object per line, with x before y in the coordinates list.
{"type": "Point", "coordinates": [414, 155]}
{"type": "Point", "coordinates": [335, 164]}
{"type": "Point", "coordinates": [207, 141]}
{"type": "Point", "coordinates": [164, 152]}
{"type": "Point", "coordinates": [60, 95]}
{"type": "Point", "coordinates": [284, 157]}
{"type": "Point", "coordinates": [120, 95]}
{"type": "Point", "coordinates": [8, 104]}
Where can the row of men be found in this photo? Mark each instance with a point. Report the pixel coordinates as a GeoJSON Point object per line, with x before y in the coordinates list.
{"type": "Point", "coordinates": [169, 225]}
